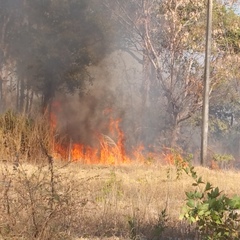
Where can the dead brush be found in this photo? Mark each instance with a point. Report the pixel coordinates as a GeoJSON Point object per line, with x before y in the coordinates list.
{"type": "Point", "coordinates": [21, 137]}
{"type": "Point", "coordinates": [34, 204]}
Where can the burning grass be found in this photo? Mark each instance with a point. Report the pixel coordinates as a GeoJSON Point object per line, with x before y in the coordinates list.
{"type": "Point", "coordinates": [108, 149]}
{"type": "Point", "coordinates": [76, 201]}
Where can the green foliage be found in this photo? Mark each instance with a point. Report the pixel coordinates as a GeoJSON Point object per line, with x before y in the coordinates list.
{"type": "Point", "coordinates": [224, 124]}
{"type": "Point", "coordinates": [214, 214]}
{"type": "Point", "coordinates": [175, 158]}
{"type": "Point", "coordinates": [227, 33]}
{"type": "Point", "coordinates": [219, 126]}
{"type": "Point", "coordinates": [223, 158]}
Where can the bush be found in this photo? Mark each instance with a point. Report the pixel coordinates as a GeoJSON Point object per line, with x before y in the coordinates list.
{"type": "Point", "coordinates": [215, 215]}
{"type": "Point", "coordinates": [223, 160]}
{"type": "Point", "coordinates": [34, 205]}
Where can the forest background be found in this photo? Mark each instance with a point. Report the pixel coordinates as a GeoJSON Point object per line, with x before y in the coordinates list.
{"type": "Point", "coordinates": [138, 61]}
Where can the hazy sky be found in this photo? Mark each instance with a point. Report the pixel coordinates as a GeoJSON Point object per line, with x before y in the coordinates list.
{"type": "Point", "coordinates": [237, 7]}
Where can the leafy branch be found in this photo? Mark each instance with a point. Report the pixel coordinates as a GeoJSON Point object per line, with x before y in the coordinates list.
{"type": "Point", "coordinates": [216, 216]}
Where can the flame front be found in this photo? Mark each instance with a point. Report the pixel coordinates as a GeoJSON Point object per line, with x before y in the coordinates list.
{"type": "Point", "coordinates": [108, 151]}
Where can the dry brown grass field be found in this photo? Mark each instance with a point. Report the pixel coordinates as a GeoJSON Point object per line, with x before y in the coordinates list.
{"type": "Point", "coordinates": [59, 200]}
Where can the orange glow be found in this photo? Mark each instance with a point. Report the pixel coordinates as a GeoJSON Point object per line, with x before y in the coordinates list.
{"type": "Point", "coordinates": [55, 107]}
{"type": "Point", "coordinates": [175, 158]}
{"type": "Point", "coordinates": [137, 153]}
{"type": "Point", "coordinates": [53, 121]}
{"type": "Point", "coordinates": [110, 149]}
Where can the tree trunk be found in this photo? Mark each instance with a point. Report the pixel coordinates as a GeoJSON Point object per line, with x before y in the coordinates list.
{"type": "Point", "coordinates": [27, 101]}
{"type": "Point", "coordinates": [17, 95]}
{"type": "Point", "coordinates": [1, 94]}
{"type": "Point", "coordinates": [30, 102]}
{"type": "Point", "coordinates": [175, 131]}
{"type": "Point", "coordinates": [22, 95]}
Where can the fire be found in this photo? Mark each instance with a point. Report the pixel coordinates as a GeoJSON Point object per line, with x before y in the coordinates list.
{"type": "Point", "coordinates": [85, 154]}
{"type": "Point", "coordinates": [110, 149]}
{"type": "Point", "coordinates": [175, 158]}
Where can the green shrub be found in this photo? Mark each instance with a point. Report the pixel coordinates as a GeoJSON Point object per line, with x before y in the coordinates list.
{"type": "Point", "coordinates": [223, 160]}
{"type": "Point", "coordinates": [215, 214]}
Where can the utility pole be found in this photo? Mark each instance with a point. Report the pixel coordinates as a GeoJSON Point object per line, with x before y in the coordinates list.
{"type": "Point", "coordinates": [205, 112]}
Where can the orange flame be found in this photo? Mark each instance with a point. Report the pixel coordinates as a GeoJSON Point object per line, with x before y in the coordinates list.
{"type": "Point", "coordinates": [109, 151]}
{"type": "Point", "coordinates": [175, 158]}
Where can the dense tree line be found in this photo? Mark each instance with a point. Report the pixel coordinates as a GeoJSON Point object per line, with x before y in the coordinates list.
{"type": "Point", "coordinates": [46, 47]}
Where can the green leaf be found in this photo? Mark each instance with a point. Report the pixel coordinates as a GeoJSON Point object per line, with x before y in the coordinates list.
{"type": "Point", "coordinates": [234, 203]}
{"type": "Point", "coordinates": [208, 187]}
{"type": "Point", "coordinates": [200, 180]}
{"type": "Point", "coordinates": [186, 170]}
{"type": "Point", "coordinates": [207, 213]}
{"type": "Point", "coordinates": [199, 195]}
{"type": "Point", "coordinates": [181, 217]}
{"type": "Point", "coordinates": [192, 219]}
{"type": "Point", "coordinates": [201, 213]}
{"type": "Point", "coordinates": [204, 207]}
{"type": "Point", "coordinates": [214, 193]}
{"type": "Point", "coordinates": [189, 194]}
{"type": "Point", "coordinates": [191, 203]}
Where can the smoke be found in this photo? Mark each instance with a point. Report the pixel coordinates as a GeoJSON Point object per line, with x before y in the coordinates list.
{"type": "Point", "coordinates": [113, 95]}
{"type": "Point", "coordinates": [118, 90]}
{"type": "Point", "coordinates": [69, 57]}
{"type": "Point", "coordinates": [82, 116]}
{"type": "Point", "coordinates": [113, 92]}
{"type": "Point", "coordinates": [67, 53]}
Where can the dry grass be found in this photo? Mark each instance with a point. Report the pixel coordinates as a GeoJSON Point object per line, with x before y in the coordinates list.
{"type": "Point", "coordinates": [98, 202]}
{"type": "Point", "coordinates": [44, 199]}
{"type": "Point", "coordinates": [23, 138]}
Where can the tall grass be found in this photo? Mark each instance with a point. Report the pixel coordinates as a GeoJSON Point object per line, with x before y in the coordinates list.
{"type": "Point", "coordinates": [22, 138]}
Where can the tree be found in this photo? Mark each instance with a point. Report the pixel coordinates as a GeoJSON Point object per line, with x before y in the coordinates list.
{"type": "Point", "coordinates": [10, 16]}
{"type": "Point", "coordinates": [51, 45]}
{"type": "Point", "coordinates": [67, 40]}
{"type": "Point", "coordinates": [155, 31]}
{"type": "Point", "coordinates": [169, 37]}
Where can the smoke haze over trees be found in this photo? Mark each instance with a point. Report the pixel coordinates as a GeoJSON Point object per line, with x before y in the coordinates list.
{"type": "Point", "coordinates": [141, 59]}
{"type": "Point", "coordinates": [49, 44]}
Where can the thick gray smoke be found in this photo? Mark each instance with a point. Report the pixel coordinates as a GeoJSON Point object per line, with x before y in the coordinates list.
{"type": "Point", "coordinates": [113, 95]}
